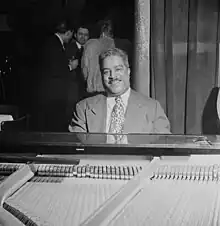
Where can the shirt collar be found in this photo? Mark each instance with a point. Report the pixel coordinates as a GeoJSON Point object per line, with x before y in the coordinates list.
{"type": "Point", "coordinates": [78, 45]}
{"type": "Point", "coordinates": [61, 40]}
{"type": "Point", "coordinates": [124, 97]}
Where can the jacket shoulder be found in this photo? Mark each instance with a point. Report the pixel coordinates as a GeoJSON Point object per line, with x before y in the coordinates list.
{"type": "Point", "coordinates": [90, 101]}
{"type": "Point", "coordinates": [144, 99]}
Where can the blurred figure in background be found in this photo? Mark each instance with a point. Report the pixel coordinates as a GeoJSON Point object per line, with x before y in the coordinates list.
{"type": "Point", "coordinates": [50, 113]}
{"type": "Point", "coordinates": [90, 58]}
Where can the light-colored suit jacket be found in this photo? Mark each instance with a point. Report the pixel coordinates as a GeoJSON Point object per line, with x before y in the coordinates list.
{"type": "Point", "coordinates": [143, 115]}
{"type": "Point", "coordinates": [90, 62]}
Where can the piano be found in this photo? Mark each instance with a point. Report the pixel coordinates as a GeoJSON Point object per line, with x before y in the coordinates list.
{"type": "Point", "coordinates": [89, 179]}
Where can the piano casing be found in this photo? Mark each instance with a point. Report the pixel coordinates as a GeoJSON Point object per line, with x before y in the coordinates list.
{"type": "Point", "coordinates": [88, 179]}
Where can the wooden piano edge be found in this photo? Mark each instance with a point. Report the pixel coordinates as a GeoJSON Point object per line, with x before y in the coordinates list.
{"type": "Point", "coordinates": [10, 185]}
{"type": "Point", "coordinates": [7, 219]}
{"type": "Point", "coordinates": [15, 181]}
{"type": "Point", "coordinates": [106, 213]}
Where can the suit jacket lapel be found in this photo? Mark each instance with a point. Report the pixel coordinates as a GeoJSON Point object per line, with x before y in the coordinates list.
{"type": "Point", "coordinates": [96, 115]}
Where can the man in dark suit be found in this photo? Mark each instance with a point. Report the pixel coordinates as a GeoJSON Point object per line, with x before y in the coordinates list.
{"type": "Point", "coordinates": [121, 109]}
{"type": "Point", "coordinates": [75, 47]}
{"type": "Point", "coordinates": [74, 50]}
{"type": "Point", "coordinates": [53, 78]}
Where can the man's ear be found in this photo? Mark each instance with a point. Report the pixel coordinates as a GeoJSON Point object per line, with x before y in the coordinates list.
{"type": "Point", "coordinates": [129, 72]}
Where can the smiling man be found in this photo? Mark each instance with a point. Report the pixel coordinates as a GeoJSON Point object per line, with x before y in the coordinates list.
{"type": "Point", "coordinates": [120, 109]}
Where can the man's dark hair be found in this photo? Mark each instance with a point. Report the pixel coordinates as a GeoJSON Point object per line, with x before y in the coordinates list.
{"type": "Point", "coordinates": [107, 27]}
{"type": "Point", "coordinates": [82, 25]}
{"type": "Point", "coordinates": [63, 26]}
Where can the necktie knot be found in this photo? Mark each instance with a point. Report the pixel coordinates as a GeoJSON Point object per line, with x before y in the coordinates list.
{"type": "Point", "coordinates": [118, 100]}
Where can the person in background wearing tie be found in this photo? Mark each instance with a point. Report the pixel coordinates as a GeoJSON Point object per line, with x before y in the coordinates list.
{"type": "Point", "coordinates": [121, 109]}
{"type": "Point", "coordinates": [74, 51]}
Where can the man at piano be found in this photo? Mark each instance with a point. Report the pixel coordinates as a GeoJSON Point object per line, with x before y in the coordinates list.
{"type": "Point", "coordinates": [120, 110]}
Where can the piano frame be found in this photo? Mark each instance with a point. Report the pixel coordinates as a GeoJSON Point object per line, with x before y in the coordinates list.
{"type": "Point", "coordinates": [85, 143]}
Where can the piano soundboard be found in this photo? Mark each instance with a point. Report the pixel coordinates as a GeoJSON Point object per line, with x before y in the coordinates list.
{"type": "Point", "coordinates": [160, 192]}
{"type": "Point", "coordinates": [80, 189]}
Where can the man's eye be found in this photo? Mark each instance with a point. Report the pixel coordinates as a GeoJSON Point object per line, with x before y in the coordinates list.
{"type": "Point", "coordinates": [119, 69]}
{"type": "Point", "coordinates": [105, 72]}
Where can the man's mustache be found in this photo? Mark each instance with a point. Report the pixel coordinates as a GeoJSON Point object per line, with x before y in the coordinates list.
{"type": "Point", "coordinates": [111, 80]}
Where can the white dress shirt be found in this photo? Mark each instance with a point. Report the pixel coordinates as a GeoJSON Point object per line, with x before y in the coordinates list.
{"type": "Point", "coordinates": [111, 103]}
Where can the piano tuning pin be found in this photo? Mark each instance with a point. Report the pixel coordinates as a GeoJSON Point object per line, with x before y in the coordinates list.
{"type": "Point", "coordinates": [206, 173]}
{"type": "Point", "coordinates": [197, 173]}
{"type": "Point", "coordinates": [160, 173]}
{"type": "Point", "coordinates": [172, 173]}
{"type": "Point", "coordinates": [215, 172]}
{"type": "Point", "coordinates": [79, 171]}
{"type": "Point", "coordinates": [188, 172]}
{"type": "Point", "coordinates": [193, 172]}
{"type": "Point", "coordinates": [164, 172]}
{"type": "Point", "coordinates": [181, 173]}
{"type": "Point", "coordinates": [218, 174]}
{"type": "Point", "coordinates": [176, 172]}
{"type": "Point", "coordinates": [100, 172]}
{"type": "Point", "coordinates": [210, 174]}
{"type": "Point", "coordinates": [83, 171]}
{"type": "Point", "coordinates": [156, 174]}
{"type": "Point", "coordinates": [202, 173]}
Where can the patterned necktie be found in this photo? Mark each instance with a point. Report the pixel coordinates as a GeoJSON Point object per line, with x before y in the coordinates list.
{"type": "Point", "coordinates": [117, 117]}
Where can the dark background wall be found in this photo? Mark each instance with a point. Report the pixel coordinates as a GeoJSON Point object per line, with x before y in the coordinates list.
{"type": "Point", "coordinates": [31, 14]}
{"type": "Point", "coordinates": [30, 19]}
{"type": "Point", "coordinates": [28, 22]}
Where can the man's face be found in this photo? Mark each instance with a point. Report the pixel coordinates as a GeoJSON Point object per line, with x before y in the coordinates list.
{"type": "Point", "coordinates": [82, 35]}
{"type": "Point", "coordinates": [115, 75]}
{"type": "Point", "coordinates": [68, 36]}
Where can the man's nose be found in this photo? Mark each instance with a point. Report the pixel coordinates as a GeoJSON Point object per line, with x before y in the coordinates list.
{"type": "Point", "coordinates": [113, 75]}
